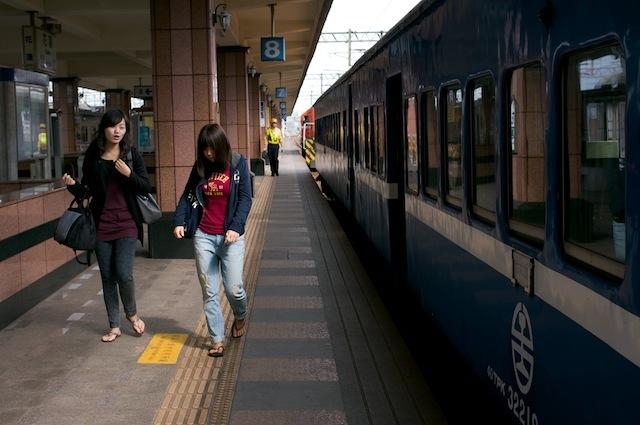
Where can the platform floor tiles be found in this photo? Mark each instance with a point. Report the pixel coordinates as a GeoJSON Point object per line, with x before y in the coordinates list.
{"type": "Point", "coordinates": [320, 347]}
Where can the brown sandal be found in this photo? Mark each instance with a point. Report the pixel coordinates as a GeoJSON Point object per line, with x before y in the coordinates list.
{"type": "Point", "coordinates": [216, 351]}
{"type": "Point", "coordinates": [113, 334]}
{"type": "Point", "coordinates": [239, 328]}
{"type": "Point", "coordinates": [137, 325]}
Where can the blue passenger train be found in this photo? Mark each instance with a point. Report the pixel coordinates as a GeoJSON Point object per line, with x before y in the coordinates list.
{"type": "Point", "coordinates": [490, 150]}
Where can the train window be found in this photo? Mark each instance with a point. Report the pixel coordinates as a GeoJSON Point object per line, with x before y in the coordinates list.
{"type": "Point", "coordinates": [453, 139]}
{"type": "Point", "coordinates": [356, 135]}
{"type": "Point", "coordinates": [483, 148]}
{"type": "Point", "coordinates": [527, 126]}
{"type": "Point", "coordinates": [373, 138]}
{"type": "Point", "coordinates": [336, 131]}
{"type": "Point", "coordinates": [365, 119]}
{"type": "Point", "coordinates": [381, 144]}
{"type": "Point", "coordinates": [595, 102]}
{"type": "Point", "coordinates": [411, 145]}
{"type": "Point", "coordinates": [428, 120]}
{"type": "Point", "coordinates": [344, 132]}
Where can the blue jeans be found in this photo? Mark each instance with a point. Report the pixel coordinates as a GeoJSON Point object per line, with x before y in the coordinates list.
{"type": "Point", "coordinates": [115, 259]}
{"type": "Point", "coordinates": [213, 257]}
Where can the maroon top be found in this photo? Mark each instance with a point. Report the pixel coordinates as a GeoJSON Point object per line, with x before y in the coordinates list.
{"type": "Point", "coordinates": [216, 198]}
{"type": "Point", "coordinates": [115, 221]}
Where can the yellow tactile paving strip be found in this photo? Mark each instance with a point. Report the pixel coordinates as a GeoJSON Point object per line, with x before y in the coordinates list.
{"type": "Point", "coordinates": [202, 388]}
{"type": "Point", "coordinates": [163, 349]}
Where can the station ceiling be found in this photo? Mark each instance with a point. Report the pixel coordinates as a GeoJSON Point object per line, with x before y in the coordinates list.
{"type": "Point", "coordinates": [107, 43]}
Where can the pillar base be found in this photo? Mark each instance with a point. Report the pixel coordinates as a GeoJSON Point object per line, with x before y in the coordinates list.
{"type": "Point", "coordinates": [162, 243]}
{"type": "Point", "coordinates": [257, 166]}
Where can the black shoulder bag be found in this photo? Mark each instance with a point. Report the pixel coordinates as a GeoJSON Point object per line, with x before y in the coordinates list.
{"type": "Point", "coordinates": [76, 228]}
{"type": "Point", "coordinates": [148, 205]}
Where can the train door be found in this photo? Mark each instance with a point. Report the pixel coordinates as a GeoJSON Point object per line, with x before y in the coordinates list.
{"type": "Point", "coordinates": [350, 157]}
{"type": "Point", "coordinates": [395, 175]}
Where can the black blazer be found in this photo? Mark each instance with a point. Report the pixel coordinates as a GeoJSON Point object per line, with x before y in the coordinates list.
{"type": "Point", "coordinates": [95, 178]}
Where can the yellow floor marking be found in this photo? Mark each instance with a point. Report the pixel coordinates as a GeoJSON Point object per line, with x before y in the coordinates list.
{"type": "Point", "coordinates": [163, 349]}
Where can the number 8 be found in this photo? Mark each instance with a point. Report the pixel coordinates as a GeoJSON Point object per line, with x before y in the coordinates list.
{"type": "Point", "coordinates": [272, 49]}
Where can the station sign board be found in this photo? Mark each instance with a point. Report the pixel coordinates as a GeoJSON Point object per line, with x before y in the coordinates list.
{"type": "Point", "coordinates": [38, 52]}
{"type": "Point", "coordinates": [272, 49]}
{"type": "Point", "coordinates": [281, 92]}
{"type": "Point", "coordinates": [143, 92]}
{"type": "Point", "coordinates": [263, 120]}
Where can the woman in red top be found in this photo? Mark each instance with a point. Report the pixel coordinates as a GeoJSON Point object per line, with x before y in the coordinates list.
{"type": "Point", "coordinates": [220, 184]}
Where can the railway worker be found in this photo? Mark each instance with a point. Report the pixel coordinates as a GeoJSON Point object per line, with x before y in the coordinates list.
{"type": "Point", "coordinates": [221, 185]}
{"type": "Point", "coordinates": [274, 140]}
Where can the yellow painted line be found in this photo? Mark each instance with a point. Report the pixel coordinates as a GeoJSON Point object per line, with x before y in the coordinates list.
{"type": "Point", "coordinates": [163, 349]}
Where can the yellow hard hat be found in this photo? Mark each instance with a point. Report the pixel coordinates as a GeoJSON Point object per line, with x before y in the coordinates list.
{"type": "Point", "coordinates": [274, 120]}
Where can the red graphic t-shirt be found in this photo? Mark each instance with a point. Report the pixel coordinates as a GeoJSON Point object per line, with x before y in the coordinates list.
{"type": "Point", "coordinates": [216, 193]}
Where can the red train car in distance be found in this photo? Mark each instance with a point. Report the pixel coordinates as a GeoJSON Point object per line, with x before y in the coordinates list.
{"type": "Point", "coordinates": [307, 124]}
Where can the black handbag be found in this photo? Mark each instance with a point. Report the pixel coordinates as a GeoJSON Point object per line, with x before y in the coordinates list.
{"type": "Point", "coordinates": [76, 228]}
{"type": "Point", "coordinates": [148, 205]}
{"type": "Point", "coordinates": [194, 214]}
{"type": "Point", "coordinates": [149, 208]}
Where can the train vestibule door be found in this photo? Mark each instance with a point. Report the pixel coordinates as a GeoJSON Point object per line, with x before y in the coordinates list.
{"type": "Point", "coordinates": [395, 175]}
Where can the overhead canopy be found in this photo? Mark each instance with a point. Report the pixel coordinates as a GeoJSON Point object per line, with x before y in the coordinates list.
{"type": "Point", "coordinates": [107, 44]}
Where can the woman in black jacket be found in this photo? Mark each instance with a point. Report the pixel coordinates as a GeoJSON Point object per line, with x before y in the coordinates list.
{"type": "Point", "coordinates": [112, 174]}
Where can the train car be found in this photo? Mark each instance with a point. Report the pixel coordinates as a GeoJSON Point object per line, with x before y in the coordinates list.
{"type": "Point", "coordinates": [308, 136]}
{"type": "Point", "coordinates": [489, 150]}
{"type": "Point", "coordinates": [307, 124]}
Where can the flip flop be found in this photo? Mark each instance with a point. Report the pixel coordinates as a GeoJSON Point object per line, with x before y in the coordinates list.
{"type": "Point", "coordinates": [137, 325]}
{"type": "Point", "coordinates": [216, 351]}
{"type": "Point", "coordinates": [238, 331]}
{"type": "Point", "coordinates": [111, 336]}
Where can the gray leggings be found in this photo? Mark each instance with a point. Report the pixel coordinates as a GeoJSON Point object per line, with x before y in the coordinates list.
{"type": "Point", "coordinates": [115, 259]}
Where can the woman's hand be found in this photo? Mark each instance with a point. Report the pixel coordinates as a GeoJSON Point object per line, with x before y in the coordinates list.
{"type": "Point", "coordinates": [231, 236]}
{"type": "Point", "coordinates": [178, 232]}
{"type": "Point", "coordinates": [123, 168]}
{"type": "Point", "coordinates": [68, 180]}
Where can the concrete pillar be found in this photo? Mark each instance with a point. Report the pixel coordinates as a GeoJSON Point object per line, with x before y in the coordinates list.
{"type": "Point", "coordinates": [118, 99]}
{"type": "Point", "coordinates": [65, 101]}
{"type": "Point", "coordinates": [234, 97]}
{"type": "Point", "coordinates": [185, 89]}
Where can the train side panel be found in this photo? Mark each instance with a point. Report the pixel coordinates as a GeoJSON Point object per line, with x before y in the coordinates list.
{"type": "Point", "coordinates": [568, 351]}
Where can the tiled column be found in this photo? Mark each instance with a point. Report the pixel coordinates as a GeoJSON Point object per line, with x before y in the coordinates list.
{"type": "Point", "coordinates": [65, 101]}
{"type": "Point", "coordinates": [184, 88]}
{"type": "Point", "coordinates": [254, 116]}
{"type": "Point", "coordinates": [264, 124]}
{"type": "Point", "coordinates": [118, 99]}
{"type": "Point", "coordinates": [234, 97]}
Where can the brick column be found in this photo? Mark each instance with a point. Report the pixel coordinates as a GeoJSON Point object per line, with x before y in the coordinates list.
{"type": "Point", "coordinates": [234, 97]}
{"type": "Point", "coordinates": [65, 101]}
{"type": "Point", "coordinates": [184, 88]}
{"type": "Point", "coordinates": [254, 116]}
{"type": "Point", "coordinates": [118, 99]}
{"type": "Point", "coordinates": [255, 131]}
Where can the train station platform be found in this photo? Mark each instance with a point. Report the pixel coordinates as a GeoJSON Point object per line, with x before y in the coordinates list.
{"type": "Point", "coordinates": [320, 347]}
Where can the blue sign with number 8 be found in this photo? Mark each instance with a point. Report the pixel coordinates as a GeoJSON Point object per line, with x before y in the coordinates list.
{"type": "Point", "coordinates": [272, 49]}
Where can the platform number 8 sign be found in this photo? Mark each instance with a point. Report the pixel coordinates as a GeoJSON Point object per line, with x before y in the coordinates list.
{"type": "Point", "coordinates": [272, 49]}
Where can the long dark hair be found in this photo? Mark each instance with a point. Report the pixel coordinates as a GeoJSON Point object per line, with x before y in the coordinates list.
{"type": "Point", "coordinates": [110, 119]}
{"type": "Point", "coordinates": [213, 136]}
